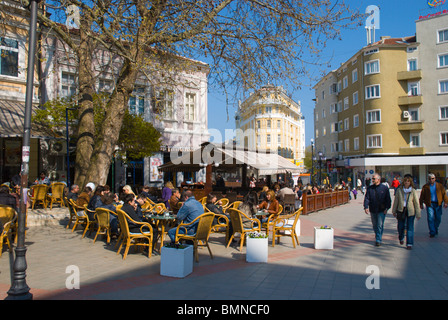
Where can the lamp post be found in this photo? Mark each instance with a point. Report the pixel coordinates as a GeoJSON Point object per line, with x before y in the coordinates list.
{"type": "Point", "coordinates": [68, 145]}
{"type": "Point", "coordinates": [19, 289]}
{"type": "Point", "coordinates": [321, 158]}
{"type": "Point", "coordinates": [312, 162]}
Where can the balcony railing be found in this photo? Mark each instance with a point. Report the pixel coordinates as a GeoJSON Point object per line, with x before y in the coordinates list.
{"type": "Point", "coordinates": [409, 75]}
{"type": "Point", "coordinates": [406, 100]}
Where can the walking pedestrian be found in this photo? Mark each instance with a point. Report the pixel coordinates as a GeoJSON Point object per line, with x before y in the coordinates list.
{"type": "Point", "coordinates": [433, 194]}
{"type": "Point", "coordinates": [376, 203]}
{"type": "Point", "coordinates": [406, 208]}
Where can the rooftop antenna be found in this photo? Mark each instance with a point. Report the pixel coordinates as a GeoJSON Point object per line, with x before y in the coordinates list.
{"type": "Point", "coordinates": [372, 22]}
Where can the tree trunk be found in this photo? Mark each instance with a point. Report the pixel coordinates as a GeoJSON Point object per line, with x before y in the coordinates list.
{"type": "Point", "coordinates": [102, 155]}
{"type": "Point", "coordinates": [86, 125]}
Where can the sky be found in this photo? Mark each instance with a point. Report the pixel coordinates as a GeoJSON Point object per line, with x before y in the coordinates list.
{"type": "Point", "coordinates": [397, 19]}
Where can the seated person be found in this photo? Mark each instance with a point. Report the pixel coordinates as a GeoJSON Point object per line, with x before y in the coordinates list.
{"type": "Point", "coordinates": [95, 201]}
{"type": "Point", "coordinates": [190, 210]}
{"type": "Point", "coordinates": [107, 202]}
{"type": "Point", "coordinates": [73, 193]}
{"type": "Point", "coordinates": [270, 205]}
{"type": "Point", "coordinates": [84, 197]}
{"type": "Point", "coordinates": [213, 205]}
{"type": "Point", "coordinates": [129, 207]}
{"type": "Point", "coordinates": [7, 198]}
{"type": "Point", "coordinates": [174, 201]}
{"type": "Point", "coordinates": [249, 208]}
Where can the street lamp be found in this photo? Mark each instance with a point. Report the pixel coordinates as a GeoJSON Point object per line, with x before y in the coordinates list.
{"type": "Point", "coordinates": [68, 145]}
{"type": "Point", "coordinates": [321, 158]}
{"type": "Point", "coordinates": [312, 162]}
{"type": "Point", "coordinates": [19, 289]}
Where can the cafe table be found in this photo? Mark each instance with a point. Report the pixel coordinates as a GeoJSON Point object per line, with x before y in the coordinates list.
{"type": "Point", "coordinates": [162, 220]}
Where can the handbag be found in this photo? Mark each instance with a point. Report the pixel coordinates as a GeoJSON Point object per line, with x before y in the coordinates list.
{"type": "Point", "coordinates": [401, 215]}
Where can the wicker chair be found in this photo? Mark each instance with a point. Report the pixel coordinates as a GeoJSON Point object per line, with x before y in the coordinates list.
{"type": "Point", "coordinates": [57, 194]}
{"type": "Point", "coordinates": [103, 219]}
{"type": "Point", "coordinates": [81, 217]}
{"type": "Point", "coordinates": [289, 201]}
{"type": "Point", "coordinates": [204, 225]}
{"type": "Point", "coordinates": [238, 227]}
{"type": "Point", "coordinates": [221, 221]}
{"type": "Point", "coordinates": [39, 195]}
{"type": "Point", "coordinates": [131, 238]}
{"type": "Point", "coordinates": [282, 227]}
{"type": "Point", "coordinates": [8, 218]}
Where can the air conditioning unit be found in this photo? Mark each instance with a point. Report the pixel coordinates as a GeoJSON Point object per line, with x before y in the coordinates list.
{"type": "Point", "coordinates": [406, 114]}
{"type": "Point", "coordinates": [58, 147]}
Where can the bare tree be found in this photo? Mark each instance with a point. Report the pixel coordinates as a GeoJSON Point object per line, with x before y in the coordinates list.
{"type": "Point", "coordinates": [247, 43]}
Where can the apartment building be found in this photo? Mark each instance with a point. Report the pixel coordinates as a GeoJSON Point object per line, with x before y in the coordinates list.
{"type": "Point", "coordinates": [391, 107]}
{"type": "Point", "coordinates": [270, 120]}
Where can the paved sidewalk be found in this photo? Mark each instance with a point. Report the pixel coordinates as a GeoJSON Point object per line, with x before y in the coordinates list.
{"type": "Point", "coordinates": [301, 273]}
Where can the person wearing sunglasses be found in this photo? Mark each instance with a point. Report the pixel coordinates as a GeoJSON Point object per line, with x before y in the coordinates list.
{"type": "Point", "coordinates": [433, 194]}
{"type": "Point", "coordinates": [377, 202]}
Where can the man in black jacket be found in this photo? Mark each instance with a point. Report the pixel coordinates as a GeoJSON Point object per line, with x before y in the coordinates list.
{"type": "Point", "coordinates": [376, 203]}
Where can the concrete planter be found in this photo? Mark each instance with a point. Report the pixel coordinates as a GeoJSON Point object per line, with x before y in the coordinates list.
{"type": "Point", "coordinates": [323, 238]}
{"type": "Point", "coordinates": [257, 249]}
{"type": "Point", "coordinates": [176, 263]}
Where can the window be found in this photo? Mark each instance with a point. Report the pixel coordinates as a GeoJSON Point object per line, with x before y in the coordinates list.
{"type": "Point", "coordinates": [137, 102]}
{"type": "Point", "coordinates": [372, 67]}
{"type": "Point", "coordinates": [355, 98]}
{"type": "Point", "coordinates": [444, 113]}
{"type": "Point", "coordinates": [68, 87]}
{"type": "Point", "coordinates": [190, 105]}
{"type": "Point", "coordinates": [373, 91]}
{"type": "Point", "coordinates": [412, 64]}
{"type": "Point", "coordinates": [443, 86]}
{"type": "Point", "coordinates": [268, 123]}
{"type": "Point", "coordinates": [164, 103]}
{"type": "Point", "coordinates": [278, 124]}
{"type": "Point", "coordinates": [105, 85]}
{"type": "Point", "coordinates": [324, 131]}
{"type": "Point", "coordinates": [355, 121]}
{"type": "Point", "coordinates": [268, 139]}
{"type": "Point", "coordinates": [346, 103]}
{"type": "Point", "coordinates": [346, 124]}
{"type": "Point", "coordinates": [443, 60]}
{"type": "Point", "coordinates": [413, 88]}
{"type": "Point", "coordinates": [411, 49]}
{"type": "Point", "coordinates": [346, 145]}
{"type": "Point", "coordinates": [279, 139]}
{"type": "Point", "coordinates": [414, 140]}
{"type": "Point", "coordinates": [374, 141]}
{"type": "Point", "coordinates": [442, 35]}
{"type": "Point", "coordinates": [444, 138]}
{"type": "Point", "coordinates": [323, 113]}
{"type": "Point", "coordinates": [414, 113]}
{"type": "Point", "coordinates": [345, 82]}
{"type": "Point", "coordinates": [356, 143]}
{"type": "Point", "coordinates": [373, 116]}
{"type": "Point", "coordinates": [371, 51]}
{"type": "Point", "coordinates": [354, 75]}
{"type": "Point", "coordinates": [9, 57]}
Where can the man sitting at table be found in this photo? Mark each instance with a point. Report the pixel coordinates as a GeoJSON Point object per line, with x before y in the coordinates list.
{"type": "Point", "coordinates": [190, 210]}
{"type": "Point", "coordinates": [174, 201]}
{"type": "Point", "coordinates": [129, 207]}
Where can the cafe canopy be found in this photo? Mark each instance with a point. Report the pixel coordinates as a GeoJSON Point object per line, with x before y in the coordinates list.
{"type": "Point", "coordinates": [229, 156]}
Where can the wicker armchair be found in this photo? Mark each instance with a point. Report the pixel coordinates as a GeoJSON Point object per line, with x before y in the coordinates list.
{"type": "Point", "coordinates": [282, 227]}
{"type": "Point", "coordinates": [203, 230]}
{"type": "Point", "coordinates": [238, 227]}
{"type": "Point", "coordinates": [130, 238]}
{"type": "Point", "coordinates": [103, 219]}
{"type": "Point", "coordinates": [8, 218]}
{"type": "Point", "coordinates": [39, 195]}
{"type": "Point", "coordinates": [57, 194]}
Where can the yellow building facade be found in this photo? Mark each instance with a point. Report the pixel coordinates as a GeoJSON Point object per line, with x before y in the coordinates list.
{"type": "Point", "coordinates": [270, 120]}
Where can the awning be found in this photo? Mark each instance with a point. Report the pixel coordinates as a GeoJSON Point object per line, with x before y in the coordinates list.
{"type": "Point", "coordinates": [230, 156]}
{"type": "Point", "coordinates": [12, 117]}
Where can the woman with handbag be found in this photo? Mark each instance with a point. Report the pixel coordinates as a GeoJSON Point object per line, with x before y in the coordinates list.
{"type": "Point", "coordinates": [406, 208]}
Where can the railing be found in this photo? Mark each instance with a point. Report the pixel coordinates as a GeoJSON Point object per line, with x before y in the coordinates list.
{"type": "Point", "coordinates": [321, 201]}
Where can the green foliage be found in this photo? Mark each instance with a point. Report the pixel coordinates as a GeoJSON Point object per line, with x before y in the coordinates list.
{"type": "Point", "coordinates": [138, 138]}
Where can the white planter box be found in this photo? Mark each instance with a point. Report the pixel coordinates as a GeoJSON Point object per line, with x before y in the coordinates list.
{"type": "Point", "coordinates": [176, 262]}
{"type": "Point", "coordinates": [256, 250]}
{"type": "Point", "coordinates": [323, 238]}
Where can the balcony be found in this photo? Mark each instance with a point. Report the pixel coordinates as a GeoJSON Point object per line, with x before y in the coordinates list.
{"type": "Point", "coordinates": [414, 151]}
{"type": "Point", "coordinates": [409, 75]}
{"type": "Point", "coordinates": [410, 125]}
{"type": "Point", "coordinates": [406, 100]}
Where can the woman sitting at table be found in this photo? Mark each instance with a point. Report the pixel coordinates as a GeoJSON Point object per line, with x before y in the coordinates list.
{"type": "Point", "coordinates": [270, 205]}
{"type": "Point", "coordinates": [84, 197]}
{"type": "Point", "coordinates": [213, 205]}
{"type": "Point", "coordinates": [174, 201]}
{"type": "Point", "coordinates": [167, 193]}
